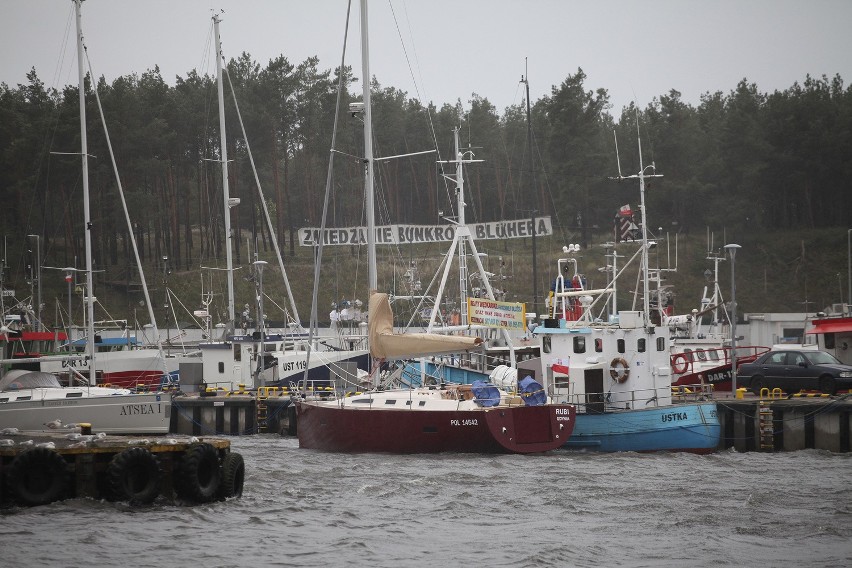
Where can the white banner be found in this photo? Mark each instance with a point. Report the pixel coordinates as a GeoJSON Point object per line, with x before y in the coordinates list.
{"type": "Point", "coordinates": [491, 313]}
{"type": "Point", "coordinates": [418, 234]}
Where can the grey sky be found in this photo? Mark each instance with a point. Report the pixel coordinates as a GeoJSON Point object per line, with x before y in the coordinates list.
{"type": "Point", "coordinates": [636, 50]}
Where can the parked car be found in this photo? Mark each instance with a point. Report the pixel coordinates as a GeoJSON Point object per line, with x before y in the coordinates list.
{"type": "Point", "coordinates": [795, 370]}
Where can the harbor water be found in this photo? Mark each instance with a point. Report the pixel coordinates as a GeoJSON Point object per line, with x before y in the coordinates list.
{"type": "Point", "coordinates": [566, 508]}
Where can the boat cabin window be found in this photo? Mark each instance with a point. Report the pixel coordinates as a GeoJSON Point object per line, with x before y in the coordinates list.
{"type": "Point", "coordinates": [829, 340]}
{"type": "Point", "coordinates": [661, 344]}
{"type": "Point", "coordinates": [390, 401]}
{"type": "Point", "coordinates": [620, 346]}
{"type": "Point", "coordinates": [408, 403]}
{"type": "Point", "coordinates": [4, 399]}
{"type": "Point", "coordinates": [422, 403]}
{"type": "Point", "coordinates": [579, 344]}
{"type": "Point", "coordinates": [238, 352]}
{"type": "Point", "coordinates": [28, 397]}
{"type": "Point", "coordinates": [640, 345]}
{"type": "Point", "coordinates": [74, 395]}
{"type": "Point", "coordinates": [702, 356]}
{"type": "Point", "coordinates": [689, 354]}
{"type": "Point", "coordinates": [598, 345]}
{"type": "Point", "coordinates": [713, 354]}
{"type": "Point", "coordinates": [545, 344]}
{"type": "Point", "coordinates": [221, 367]}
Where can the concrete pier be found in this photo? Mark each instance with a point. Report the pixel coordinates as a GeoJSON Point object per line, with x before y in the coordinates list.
{"type": "Point", "coordinates": [789, 424]}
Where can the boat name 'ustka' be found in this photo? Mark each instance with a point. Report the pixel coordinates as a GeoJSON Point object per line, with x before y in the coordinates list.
{"type": "Point", "coordinates": [674, 416]}
{"type": "Point", "coordinates": [128, 409]}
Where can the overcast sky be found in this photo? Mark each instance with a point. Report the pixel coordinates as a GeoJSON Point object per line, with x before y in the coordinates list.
{"type": "Point", "coordinates": [637, 50]}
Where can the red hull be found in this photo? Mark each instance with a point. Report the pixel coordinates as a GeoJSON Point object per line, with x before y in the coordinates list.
{"type": "Point", "coordinates": [515, 429]}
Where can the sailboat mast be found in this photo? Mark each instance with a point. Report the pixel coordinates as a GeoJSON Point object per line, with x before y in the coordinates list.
{"type": "Point", "coordinates": [462, 223]}
{"type": "Point", "coordinates": [369, 191]}
{"type": "Point", "coordinates": [87, 227]}
{"type": "Point", "coordinates": [646, 292]}
{"type": "Point", "coordinates": [224, 154]}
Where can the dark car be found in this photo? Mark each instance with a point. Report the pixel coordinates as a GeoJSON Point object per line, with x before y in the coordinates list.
{"type": "Point", "coordinates": [795, 370]}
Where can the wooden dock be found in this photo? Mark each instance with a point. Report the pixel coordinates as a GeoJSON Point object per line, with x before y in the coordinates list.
{"type": "Point", "coordinates": [37, 468]}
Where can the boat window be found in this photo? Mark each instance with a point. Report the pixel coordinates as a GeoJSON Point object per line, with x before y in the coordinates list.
{"type": "Point", "coordinates": [621, 346]}
{"type": "Point", "coordinates": [408, 402]}
{"type": "Point", "coordinates": [713, 354]}
{"type": "Point", "coordinates": [361, 401]}
{"type": "Point", "coordinates": [598, 345]}
{"type": "Point", "coordinates": [702, 356]}
{"type": "Point", "coordinates": [640, 345]}
{"type": "Point", "coordinates": [829, 340]}
{"type": "Point", "coordinates": [238, 352]}
{"type": "Point", "coordinates": [661, 344]}
{"type": "Point", "coordinates": [545, 344]}
{"type": "Point", "coordinates": [390, 401]}
{"type": "Point", "coordinates": [689, 355]}
{"type": "Point", "coordinates": [4, 399]}
{"type": "Point", "coordinates": [28, 397]}
{"type": "Point", "coordinates": [579, 344]}
{"type": "Point", "coordinates": [422, 403]}
{"type": "Point", "coordinates": [221, 367]}
{"type": "Point", "coordinates": [74, 395]}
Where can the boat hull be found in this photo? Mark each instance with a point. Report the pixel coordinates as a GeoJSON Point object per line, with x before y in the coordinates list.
{"type": "Point", "coordinates": [677, 428]}
{"type": "Point", "coordinates": [514, 429]}
{"type": "Point", "coordinates": [147, 413]}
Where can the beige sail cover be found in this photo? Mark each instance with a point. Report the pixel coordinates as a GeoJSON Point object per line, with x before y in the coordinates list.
{"type": "Point", "coordinates": [385, 344]}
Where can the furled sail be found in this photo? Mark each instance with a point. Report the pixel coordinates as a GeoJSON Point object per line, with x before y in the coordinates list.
{"type": "Point", "coordinates": [385, 344]}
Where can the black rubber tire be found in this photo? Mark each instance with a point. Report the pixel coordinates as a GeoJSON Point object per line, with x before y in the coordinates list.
{"type": "Point", "coordinates": [37, 477]}
{"type": "Point", "coordinates": [233, 476]}
{"type": "Point", "coordinates": [134, 476]}
{"type": "Point", "coordinates": [828, 385]}
{"type": "Point", "coordinates": [756, 385]}
{"type": "Point", "coordinates": [198, 474]}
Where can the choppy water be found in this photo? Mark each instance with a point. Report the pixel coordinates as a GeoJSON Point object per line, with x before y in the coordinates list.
{"type": "Point", "coordinates": [305, 508]}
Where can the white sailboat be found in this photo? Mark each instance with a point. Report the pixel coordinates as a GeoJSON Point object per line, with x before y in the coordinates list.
{"type": "Point", "coordinates": [28, 400]}
{"type": "Point", "coordinates": [259, 358]}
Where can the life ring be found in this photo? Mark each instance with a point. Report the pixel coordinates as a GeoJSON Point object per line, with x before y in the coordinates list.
{"type": "Point", "coordinates": [233, 475]}
{"type": "Point", "coordinates": [619, 369]}
{"type": "Point", "coordinates": [133, 475]}
{"type": "Point", "coordinates": [680, 363]}
{"type": "Point", "coordinates": [198, 474]}
{"type": "Point", "coordinates": [37, 477]}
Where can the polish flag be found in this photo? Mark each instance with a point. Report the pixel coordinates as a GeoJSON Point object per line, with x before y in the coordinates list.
{"type": "Point", "coordinates": [559, 368]}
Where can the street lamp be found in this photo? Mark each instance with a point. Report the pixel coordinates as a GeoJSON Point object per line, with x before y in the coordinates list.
{"type": "Point", "coordinates": [38, 280]}
{"type": "Point", "coordinates": [732, 251]}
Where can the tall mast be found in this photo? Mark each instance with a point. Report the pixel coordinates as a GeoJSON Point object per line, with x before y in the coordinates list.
{"type": "Point", "coordinates": [369, 198]}
{"type": "Point", "coordinates": [84, 154]}
{"type": "Point", "coordinates": [462, 223]}
{"type": "Point", "coordinates": [224, 155]}
{"type": "Point", "coordinates": [532, 194]}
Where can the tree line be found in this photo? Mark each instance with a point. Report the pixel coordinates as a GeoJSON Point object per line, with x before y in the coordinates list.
{"type": "Point", "coordinates": [744, 160]}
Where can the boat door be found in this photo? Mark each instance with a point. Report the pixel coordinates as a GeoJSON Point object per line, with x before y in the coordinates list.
{"type": "Point", "coordinates": [594, 383]}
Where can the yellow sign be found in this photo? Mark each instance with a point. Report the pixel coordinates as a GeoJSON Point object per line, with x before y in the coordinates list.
{"type": "Point", "coordinates": [491, 313]}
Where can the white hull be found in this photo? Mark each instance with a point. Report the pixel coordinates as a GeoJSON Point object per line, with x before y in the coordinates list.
{"type": "Point", "coordinates": [147, 413]}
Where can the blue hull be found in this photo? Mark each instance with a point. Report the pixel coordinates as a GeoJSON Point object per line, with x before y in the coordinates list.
{"type": "Point", "coordinates": [681, 427]}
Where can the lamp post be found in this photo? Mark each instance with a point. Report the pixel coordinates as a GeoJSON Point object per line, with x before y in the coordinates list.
{"type": "Point", "coordinates": [849, 268]}
{"type": "Point", "coordinates": [37, 277]}
{"type": "Point", "coordinates": [732, 251]}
